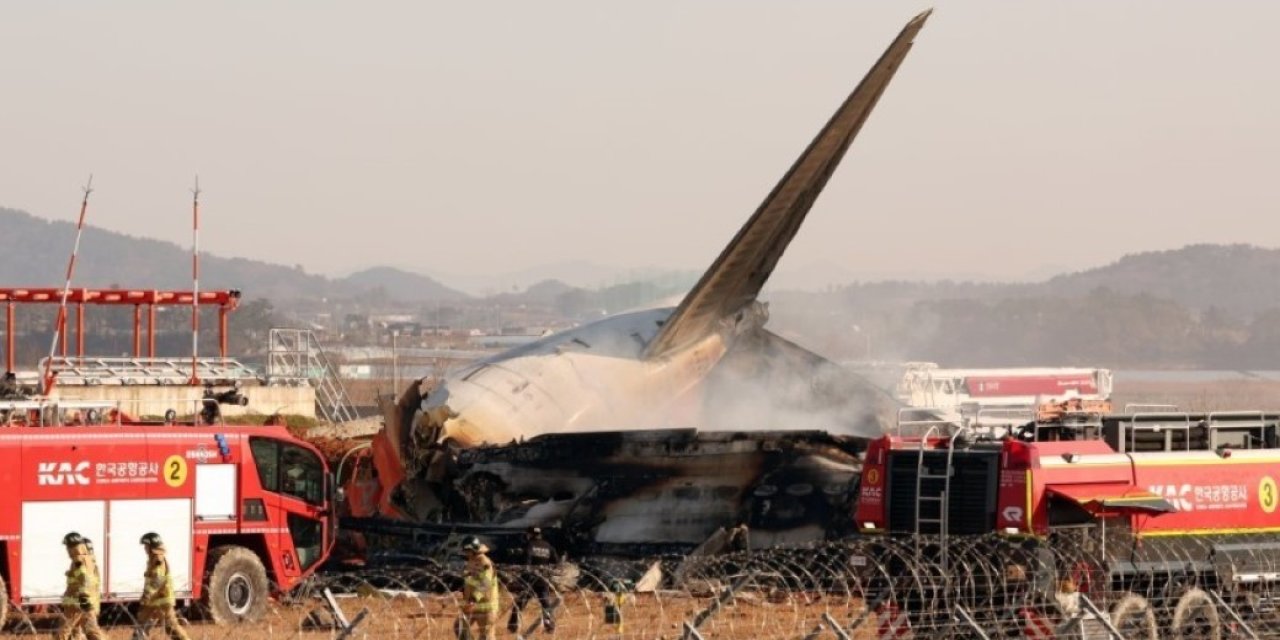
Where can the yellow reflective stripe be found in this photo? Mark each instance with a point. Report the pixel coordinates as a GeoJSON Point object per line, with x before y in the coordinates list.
{"type": "Point", "coordinates": [1164, 533]}
{"type": "Point", "coordinates": [158, 585]}
{"type": "Point", "coordinates": [81, 582]}
{"type": "Point", "coordinates": [1031, 527]}
{"type": "Point", "coordinates": [484, 590]}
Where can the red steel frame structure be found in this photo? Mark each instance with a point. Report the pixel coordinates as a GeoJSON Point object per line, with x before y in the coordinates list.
{"type": "Point", "coordinates": [226, 301]}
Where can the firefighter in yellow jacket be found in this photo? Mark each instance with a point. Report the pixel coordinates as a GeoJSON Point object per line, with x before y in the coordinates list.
{"type": "Point", "coordinates": [156, 607]}
{"type": "Point", "coordinates": [479, 593]}
{"type": "Point", "coordinates": [81, 601]}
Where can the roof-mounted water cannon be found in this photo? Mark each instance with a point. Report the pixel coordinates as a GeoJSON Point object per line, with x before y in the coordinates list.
{"type": "Point", "coordinates": [210, 410]}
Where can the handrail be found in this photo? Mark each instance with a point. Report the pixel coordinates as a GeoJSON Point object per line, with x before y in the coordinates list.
{"type": "Point", "coordinates": [295, 355]}
{"type": "Point", "coordinates": [1130, 407]}
{"type": "Point", "coordinates": [360, 447]}
{"type": "Point", "coordinates": [1214, 416]}
{"type": "Point", "coordinates": [43, 411]}
{"type": "Point", "coordinates": [928, 422]}
{"type": "Point", "coordinates": [90, 370]}
{"type": "Point", "coordinates": [1160, 426]}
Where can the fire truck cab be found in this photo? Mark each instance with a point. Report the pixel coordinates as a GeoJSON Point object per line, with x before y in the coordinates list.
{"type": "Point", "coordinates": [245, 512]}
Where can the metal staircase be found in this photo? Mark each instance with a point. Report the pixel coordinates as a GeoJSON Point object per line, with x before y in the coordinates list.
{"type": "Point", "coordinates": [295, 356]}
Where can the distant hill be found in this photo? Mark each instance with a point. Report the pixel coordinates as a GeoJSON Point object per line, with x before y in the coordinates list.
{"type": "Point", "coordinates": [1207, 306]}
{"type": "Point", "coordinates": [542, 293]}
{"type": "Point", "coordinates": [33, 253]}
{"type": "Point", "coordinates": [403, 285]}
{"type": "Point", "coordinates": [1240, 278]}
{"type": "Point", "coordinates": [578, 274]}
{"type": "Point", "coordinates": [578, 303]}
{"type": "Point", "coordinates": [548, 290]}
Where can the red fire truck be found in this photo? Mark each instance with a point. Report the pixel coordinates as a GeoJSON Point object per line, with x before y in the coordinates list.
{"type": "Point", "coordinates": [1166, 501]}
{"type": "Point", "coordinates": [245, 512]}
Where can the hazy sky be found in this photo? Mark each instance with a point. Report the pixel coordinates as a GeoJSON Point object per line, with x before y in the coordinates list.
{"type": "Point", "coordinates": [1018, 137]}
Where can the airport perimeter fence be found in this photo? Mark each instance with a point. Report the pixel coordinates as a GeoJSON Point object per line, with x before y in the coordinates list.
{"type": "Point", "coordinates": [983, 587]}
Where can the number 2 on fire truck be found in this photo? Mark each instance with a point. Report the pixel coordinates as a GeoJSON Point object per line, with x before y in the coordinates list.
{"type": "Point", "coordinates": [175, 471]}
{"type": "Point", "coordinates": [1267, 494]}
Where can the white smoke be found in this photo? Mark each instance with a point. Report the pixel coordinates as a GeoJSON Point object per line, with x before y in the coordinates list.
{"type": "Point", "coordinates": [770, 389]}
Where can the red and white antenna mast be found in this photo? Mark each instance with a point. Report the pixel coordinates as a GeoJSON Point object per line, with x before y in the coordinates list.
{"type": "Point", "coordinates": [195, 282]}
{"type": "Point", "coordinates": [48, 379]}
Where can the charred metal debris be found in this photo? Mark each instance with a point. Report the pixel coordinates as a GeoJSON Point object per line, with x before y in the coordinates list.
{"type": "Point", "coordinates": [616, 493]}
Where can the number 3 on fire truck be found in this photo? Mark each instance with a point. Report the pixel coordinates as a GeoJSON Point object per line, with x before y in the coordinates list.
{"type": "Point", "coordinates": [175, 471]}
{"type": "Point", "coordinates": [1267, 494]}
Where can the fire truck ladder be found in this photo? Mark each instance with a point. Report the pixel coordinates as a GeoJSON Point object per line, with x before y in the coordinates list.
{"type": "Point", "coordinates": [941, 498]}
{"type": "Point", "coordinates": [295, 356]}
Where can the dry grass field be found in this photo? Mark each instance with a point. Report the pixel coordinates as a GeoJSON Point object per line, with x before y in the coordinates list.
{"type": "Point", "coordinates": [1235, 395]}
{"type": "Point", "coordinates": [581, 616]}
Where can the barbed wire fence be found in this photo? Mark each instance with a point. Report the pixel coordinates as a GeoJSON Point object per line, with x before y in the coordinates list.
{"type": "Point", "coordinates": [981, 587]}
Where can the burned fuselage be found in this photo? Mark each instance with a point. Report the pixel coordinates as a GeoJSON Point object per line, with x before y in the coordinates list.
{"type": "Point", "coordinates": [623, 491]}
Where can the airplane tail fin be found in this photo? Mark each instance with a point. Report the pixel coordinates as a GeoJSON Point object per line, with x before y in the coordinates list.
{"type": "Point", "coordinates": [736, 277]}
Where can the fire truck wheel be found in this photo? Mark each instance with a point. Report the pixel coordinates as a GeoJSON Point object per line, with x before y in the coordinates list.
{"type": "Point", "coordinates": [4, 603]}
{"type": "Point", "coordinates": [1133, 617]}
{"type": "Point", "coordinates": [1196, 616]}
{"type": "Point", "coordinates": [237, 586]}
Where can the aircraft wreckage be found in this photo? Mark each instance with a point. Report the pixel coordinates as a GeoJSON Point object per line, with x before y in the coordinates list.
{"type": "Point", "coordinates": [635, 492]}
{"type": "Point", "coordinates": [571, 432]}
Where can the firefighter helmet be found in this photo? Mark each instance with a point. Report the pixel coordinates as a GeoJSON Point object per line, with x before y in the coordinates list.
{"type": "Point", "coordinates": [473, 545]}
{"type": "Point", "coordinates": [72, 539]}
{"type": "Point", "coordinates": [151, 540]}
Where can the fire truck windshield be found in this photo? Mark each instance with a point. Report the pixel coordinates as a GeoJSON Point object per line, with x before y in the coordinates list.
{"type": "Point", "coordinates": [289, 469]}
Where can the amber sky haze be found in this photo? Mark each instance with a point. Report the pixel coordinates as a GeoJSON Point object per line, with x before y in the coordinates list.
{"type": "Point", "coordinates": [1018, 138]}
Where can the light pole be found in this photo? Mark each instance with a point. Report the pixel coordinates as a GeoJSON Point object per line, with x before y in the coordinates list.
{"type": "Point", "coordinates": [395, 362]}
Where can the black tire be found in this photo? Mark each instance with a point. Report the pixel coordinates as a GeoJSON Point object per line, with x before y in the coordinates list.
{"type": "Point", "coordinates": [1133, 617]}
{"type": "Point", "coordinates": [4, 602]}
{"type": "Point", "coordinates": [236, 586]}
{"type": "Point", "coordinates": [1196, 616]}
